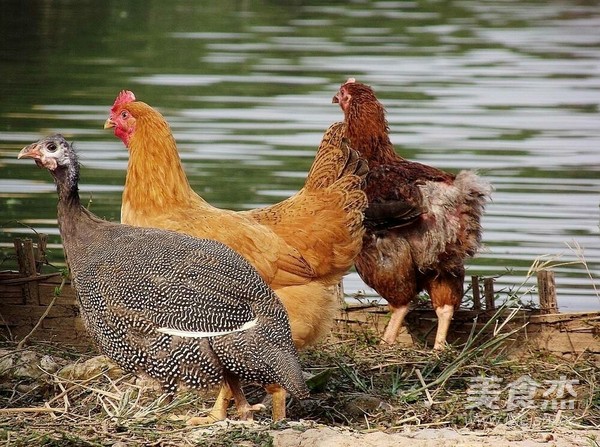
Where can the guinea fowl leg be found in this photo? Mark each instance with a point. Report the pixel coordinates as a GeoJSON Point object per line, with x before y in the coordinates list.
{"type": "Point", "coordinates": [278, 399]}
{"type": "Point", "coordinates": [245, 410]}
{"type": "Point", "coordinates": [395, 324]}
{"type": "Point", "coordinates": [218, 411]}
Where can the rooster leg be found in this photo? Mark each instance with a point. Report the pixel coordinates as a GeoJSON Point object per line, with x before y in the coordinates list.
{"type": "Point", "coordinates": [218, 411]}
{"type": "Point", "coordinates": [444, 314]}
{"type": "Point", "coordinates": [245, 410]}
{"type": "Point", "coordinates": [395, 324]}
{"type": "Point", "coordinates": [278, 395]}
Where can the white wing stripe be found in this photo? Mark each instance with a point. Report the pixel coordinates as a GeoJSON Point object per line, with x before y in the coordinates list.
{"type": "Point", "coordinates": [192, 334]}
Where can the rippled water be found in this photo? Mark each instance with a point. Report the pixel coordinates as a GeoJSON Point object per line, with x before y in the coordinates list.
{"type": "Point", "coordinates": [509, 88]}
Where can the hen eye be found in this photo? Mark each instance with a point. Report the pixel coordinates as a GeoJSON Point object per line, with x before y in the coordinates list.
{"type": "Point", "coordinates": [124, 114]}
{"type": "Point", "coordinates": [51, 147]}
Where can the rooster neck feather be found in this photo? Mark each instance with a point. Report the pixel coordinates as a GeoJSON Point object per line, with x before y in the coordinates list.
{"type": "Point", "coordinates": [155, 176]}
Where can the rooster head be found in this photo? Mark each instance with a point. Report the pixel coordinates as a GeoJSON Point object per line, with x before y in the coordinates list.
{"type": "Point", "coordinates": [120, 118]}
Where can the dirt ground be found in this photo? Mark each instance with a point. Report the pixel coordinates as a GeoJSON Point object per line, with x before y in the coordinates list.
{"type": "Point", "coordinates": [303, 434]}
{"type": "Point", "coordinates": [437, 437]}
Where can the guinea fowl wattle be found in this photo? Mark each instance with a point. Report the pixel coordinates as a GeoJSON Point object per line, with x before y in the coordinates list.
{"type": "Point", "coordinates": [184, 311]}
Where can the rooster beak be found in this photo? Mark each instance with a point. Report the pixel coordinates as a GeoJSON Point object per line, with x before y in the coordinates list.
{"type": "Point", "coordinates": [31, 151]}
{"type": "Point", "coordinates": [109, 124]}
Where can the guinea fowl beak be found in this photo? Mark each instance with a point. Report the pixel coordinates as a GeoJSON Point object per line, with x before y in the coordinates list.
{"type": "Point", "coordinates": [31, 151]}
{"type": "Point", "coordinates": [109, 124]}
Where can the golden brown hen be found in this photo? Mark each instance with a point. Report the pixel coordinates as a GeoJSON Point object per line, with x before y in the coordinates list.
{"type": "Point", "coordinates": [422, 223]}
{"type": "Point", "coordinates": [301, 247]}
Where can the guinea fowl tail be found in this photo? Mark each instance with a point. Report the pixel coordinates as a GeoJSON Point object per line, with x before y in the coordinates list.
{"type": "Point", "coordinates": [291, 377]}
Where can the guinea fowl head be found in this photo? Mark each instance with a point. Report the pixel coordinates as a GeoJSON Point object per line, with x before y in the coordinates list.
{"type": "Point", "coordinates": [53, 153]}
{"type": "Point", "coordinates": [56, 155]}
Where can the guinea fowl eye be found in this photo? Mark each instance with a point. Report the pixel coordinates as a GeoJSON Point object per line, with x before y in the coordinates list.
{"type": "Point", "coordinates": [51, 147]}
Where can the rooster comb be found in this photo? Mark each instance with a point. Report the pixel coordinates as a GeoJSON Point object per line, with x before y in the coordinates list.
{"type": "Point", "coordinates": [125, 97]}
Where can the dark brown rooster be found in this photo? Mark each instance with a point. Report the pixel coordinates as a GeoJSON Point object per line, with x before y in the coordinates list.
{"type": "Point", "coordinates": [422, 223]}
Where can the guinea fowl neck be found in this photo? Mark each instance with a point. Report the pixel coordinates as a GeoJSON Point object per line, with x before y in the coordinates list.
{"type": "Point", "coordinates": [155, 175]}
{"type": "Point", "coordinates": [67, 186]}
{"type": "Point", "coordinates": [70, 211]}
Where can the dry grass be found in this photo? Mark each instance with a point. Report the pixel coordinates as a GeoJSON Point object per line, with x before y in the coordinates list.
{"type": "Point", "coordinates": [54, 397]}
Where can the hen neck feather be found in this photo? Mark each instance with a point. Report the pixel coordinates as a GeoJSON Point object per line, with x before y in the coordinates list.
{"type": "Point", "coordinates": [368, 131]}
{"type": "Point", "coordinates": [155, 175]}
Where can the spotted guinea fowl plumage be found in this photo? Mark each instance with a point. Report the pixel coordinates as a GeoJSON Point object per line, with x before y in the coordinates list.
{"type": "Point", "coordinates": [180, 309]}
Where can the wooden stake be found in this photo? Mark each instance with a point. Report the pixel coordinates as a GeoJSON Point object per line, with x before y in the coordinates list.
{"type": "Point", "coordinates": [40, 252]}
{"type": "Point", "coordinates": [488, 292]}
{"type": "Point", "coordinates": [547, 292]}
{"type": "Point", "coordinates": [476, 294]}
{"type": "Point", "coordinates": [27, 268]}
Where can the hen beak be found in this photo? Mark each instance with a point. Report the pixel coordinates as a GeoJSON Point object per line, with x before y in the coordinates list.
{"type": "Point", "coordinates": [109, 124]}
{"type": "Point", "coordinates": [336, 99]}
{"type": "Point", "coordinates": [31, 151]}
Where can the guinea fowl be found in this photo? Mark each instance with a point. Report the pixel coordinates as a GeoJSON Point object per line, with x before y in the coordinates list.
{"type": "Point", "coordinates": [183, 310]}
{"type": "Point", "coordinates": [421, 223]}
{"type": "Point", "coordinates": [301, 246]}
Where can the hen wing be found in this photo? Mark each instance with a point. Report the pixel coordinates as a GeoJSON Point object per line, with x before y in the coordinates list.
{"type": "Point", "coordinates": [323, 221]}
{"type": "Point", "coordinates": [395, 193]}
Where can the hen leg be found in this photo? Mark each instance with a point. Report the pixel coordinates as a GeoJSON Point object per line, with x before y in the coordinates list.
{"type": "Point", "coordinates": [278, 394]}
{"type": "Point", "coordinates": [218, 411]}
{"type": "Point", "coordinates": [395, 324]}
{"type": "Point", "coordinates": [446, 292]}
{"type": "Point", "coordinates": [444, 314]}
{"type": "Point", "coordinates": [245, 410]}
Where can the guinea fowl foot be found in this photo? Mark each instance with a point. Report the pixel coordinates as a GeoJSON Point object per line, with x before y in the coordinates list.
{"type": "Point", "coordinates": [218, 411]}
{"type": "Point", "coordinates": [204, 420]}
{"type": "Point", "coordinates": [246, 412]}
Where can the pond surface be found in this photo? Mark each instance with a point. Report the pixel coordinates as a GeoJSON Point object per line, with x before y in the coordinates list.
{"type": "Point", "coordinates": [509, 88]}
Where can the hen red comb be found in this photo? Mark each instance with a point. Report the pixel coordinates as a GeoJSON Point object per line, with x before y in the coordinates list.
{"type": "Point", "coordinates": [125, 97]}
{"type": "Point", "coordinates": [350, 81]}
